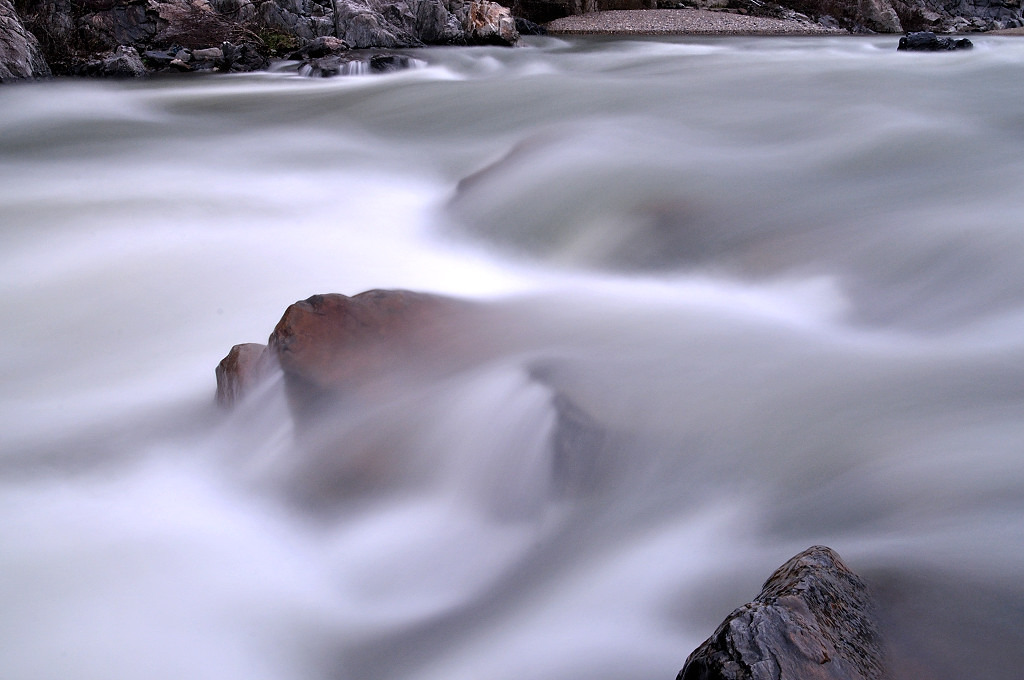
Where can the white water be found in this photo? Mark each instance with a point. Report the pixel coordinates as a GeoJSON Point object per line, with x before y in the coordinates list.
{"type": "Point", "coordinates": [783, 280]}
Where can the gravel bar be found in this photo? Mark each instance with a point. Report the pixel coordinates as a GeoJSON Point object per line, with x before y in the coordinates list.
{"type": "Point", "coordinates": [681, 22]}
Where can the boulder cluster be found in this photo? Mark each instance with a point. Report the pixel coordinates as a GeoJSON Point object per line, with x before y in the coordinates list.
{"type": "Point", "coordinates": [814, 618]}
{"type": "Point", "coordinates": [127, 38]}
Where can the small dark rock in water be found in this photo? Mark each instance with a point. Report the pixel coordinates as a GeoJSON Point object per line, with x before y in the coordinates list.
{"type": "Point", "coordinates": [324, 67]}
{"type": "Point", "coordinates": [527, 27]}
{"type": "Point", "coordinates": [926, 41]}
{"type": "Point", "coordinates": [240, 58]}
{"type": "Point", "coordinates": [386, 63]}
{"type": "Point", "coordinates": [813, 620]}
{"type": "Point", "coordinates": [335, 65]}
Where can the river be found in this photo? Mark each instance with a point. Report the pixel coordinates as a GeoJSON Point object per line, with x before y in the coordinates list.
{"type": "Point", "coordinates": [768, 293]}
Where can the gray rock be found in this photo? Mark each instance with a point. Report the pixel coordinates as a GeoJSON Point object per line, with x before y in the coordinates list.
{"type": "Point", "coordinates": [208, 54]}
{"type": "Point", "coordinates": [362, 26]}
{"type": "Point", "coordinates": [436, 24]}
{"type": "Point", "coordinates": [527, 27]}
{"type": "Point", "coordinates": [120, 24]}
{"type": "Point", "coordinates": [20, 55]}
{"type": "Point", "coordinates": [879, 16]}
{"type": "Point", "coordinates": [324, 46]}
{"type": "Point", "coordinates": [926, 41]}
{"type": "Point", "coordinates": [242, 11]}
{"type": "Point", "coordinates": [124, 62]}
{"type": "Point", "coordinates": [241, 58]}
{"type": "Point", "coordinates": [307, 19]}
{"type": "Point", "coordinates": [158, 58]}
{"type": "Point", "coordinates": [813, 620]}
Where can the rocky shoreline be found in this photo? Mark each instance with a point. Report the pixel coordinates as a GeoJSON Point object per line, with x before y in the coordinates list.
{"type": "Point", "coordinates": [127, 38]}
{"type": "Point", "coordinates": [131, 38]}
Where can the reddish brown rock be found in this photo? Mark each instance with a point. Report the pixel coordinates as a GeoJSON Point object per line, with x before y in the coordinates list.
{"type": "Point", "coordinates": [813, 620]}
{"type": "Point", "coordinates": [239, 371]}
{"type": "Point", "coordinates": [336, 341]}
{"type": "Point", "coordinates": [334, 345]}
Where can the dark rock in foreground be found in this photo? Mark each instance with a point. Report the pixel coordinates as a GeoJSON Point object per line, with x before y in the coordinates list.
{"type": "Point", "coordinates": [926, 41]}
{"type": "Point", "coordinates": [813, 620]}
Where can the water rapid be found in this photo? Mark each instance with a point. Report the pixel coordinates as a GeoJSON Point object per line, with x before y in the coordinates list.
{"type": "Point", "coordinates": [749, 295]}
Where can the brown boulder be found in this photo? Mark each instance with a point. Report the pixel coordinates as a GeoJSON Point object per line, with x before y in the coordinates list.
{"type": "Point", "coordinates": [330, 346]}
{"type": "Point", "coordinates": [813, 620]}
{"type": "Point", "coordinates": [336, 341]}
{"type": "Point", "coordinates": [237, 373]}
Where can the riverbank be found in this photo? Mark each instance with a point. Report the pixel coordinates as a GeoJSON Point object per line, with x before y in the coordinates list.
{"type": "Point", "coordinates": [683, 22]}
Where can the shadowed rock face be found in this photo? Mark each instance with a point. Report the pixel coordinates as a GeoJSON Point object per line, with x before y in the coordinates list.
{"type": "Point", "coordinates": [813, 620]}
{"type": "Point", "coordinates": [20, 56]}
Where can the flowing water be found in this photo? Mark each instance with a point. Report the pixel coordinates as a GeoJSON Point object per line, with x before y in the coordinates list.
{"type": "Point", "coordinates": [749, 295]}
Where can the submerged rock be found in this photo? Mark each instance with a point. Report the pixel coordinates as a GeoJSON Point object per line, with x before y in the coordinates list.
{"type": "Point", "coordinates": [346, 65]}
{"type": "Point", "coordinates": [813, 620]}
{"type": "Point", "coordinates": [926, 41]}
{"type": "Point", "coordinates": [388, 63]}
